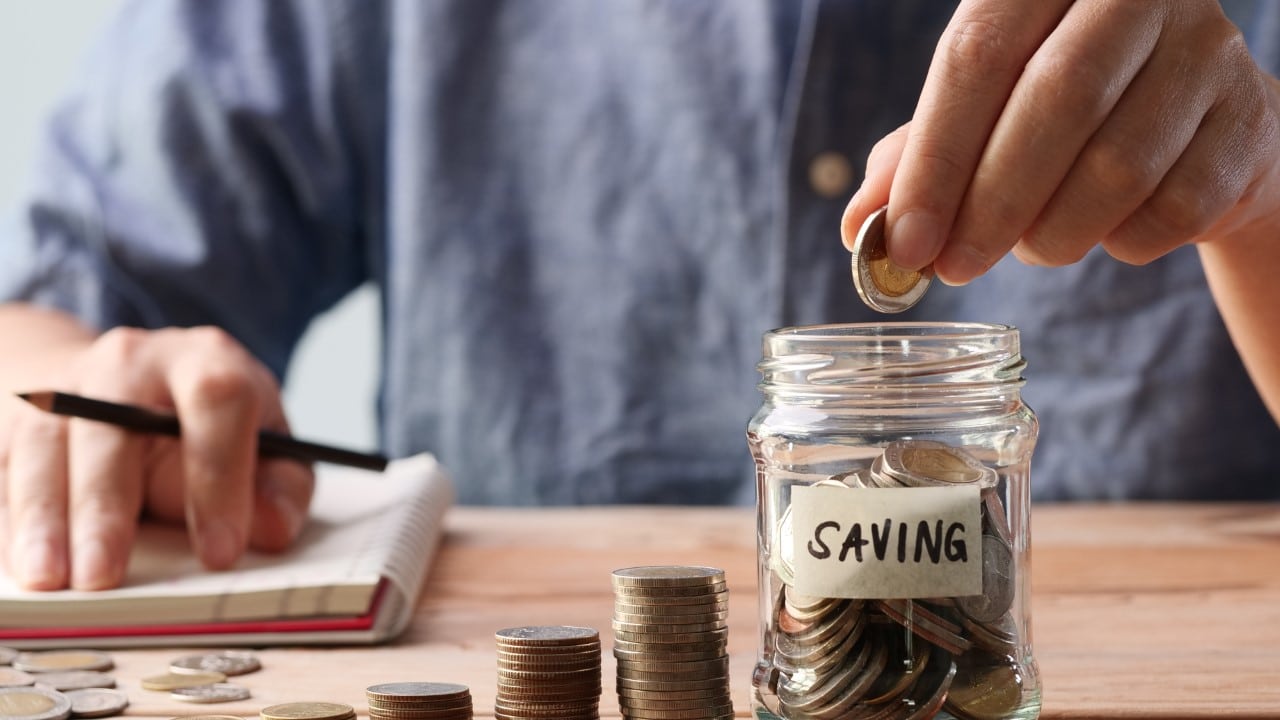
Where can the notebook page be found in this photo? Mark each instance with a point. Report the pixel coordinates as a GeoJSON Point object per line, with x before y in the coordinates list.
{"type": "Point", "coordinates": [360, 526]}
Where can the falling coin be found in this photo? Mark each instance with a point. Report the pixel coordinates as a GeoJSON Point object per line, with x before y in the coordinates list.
{"type": "Point", "coordinates": [882, 285]}
{"type": "Point", "coordinates": [97, 702]}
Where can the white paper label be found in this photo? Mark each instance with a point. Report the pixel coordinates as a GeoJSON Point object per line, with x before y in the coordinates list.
{"type": "Point", "coordinates": [887, 542]}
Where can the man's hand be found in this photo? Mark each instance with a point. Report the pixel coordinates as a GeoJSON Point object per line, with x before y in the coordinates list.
{"type": "Point", "coordinates": [1050, 127]}
{"type": "Point", "coordinates": [72, 491]}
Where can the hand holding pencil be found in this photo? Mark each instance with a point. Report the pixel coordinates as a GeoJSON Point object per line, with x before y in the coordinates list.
{"type": "Point", "coordinates": [72, 490]}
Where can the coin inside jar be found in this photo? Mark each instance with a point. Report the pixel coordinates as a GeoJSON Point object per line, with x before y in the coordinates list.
{"type": "Point", "coordinates": [883, 286]}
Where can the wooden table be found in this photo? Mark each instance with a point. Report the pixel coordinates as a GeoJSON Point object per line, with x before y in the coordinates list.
{"type": "Point", "coordinates": [1139, 610]}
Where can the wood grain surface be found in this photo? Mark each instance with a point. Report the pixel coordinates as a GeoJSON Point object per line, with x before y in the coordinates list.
{"type": "Point", "coordinates": [1161, 611]}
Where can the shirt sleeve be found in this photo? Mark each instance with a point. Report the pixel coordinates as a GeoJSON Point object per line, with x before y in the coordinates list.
{"type": "Point", "coordinates": [214, 164]}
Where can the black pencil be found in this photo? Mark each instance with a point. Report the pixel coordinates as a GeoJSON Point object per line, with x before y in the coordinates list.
{"type": "Point", "coordinates": [131, 417]}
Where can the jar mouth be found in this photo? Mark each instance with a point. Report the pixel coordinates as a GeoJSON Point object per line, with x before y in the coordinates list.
{"type": "Point", "coordinates": [836, 333]}
{"type": "Point", "coordinates": [890, 356]}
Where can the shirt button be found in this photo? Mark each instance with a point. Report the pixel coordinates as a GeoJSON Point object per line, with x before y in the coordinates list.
{"type": "Point", "coordinates": [831, 175]}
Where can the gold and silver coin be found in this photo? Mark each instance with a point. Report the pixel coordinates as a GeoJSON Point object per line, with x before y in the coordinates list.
{"type": "Point", "coordinates": [169, 682]}
{"type": "Point", "coordinates": [883, 286]}
{"type": "Point", "coordinates": [308, 711]}
{"type": "Point", "coordinates": [97, 702]}
{"type": "Point", "coordinates": [670, 642]}
{"type": "Point", "coordinates": [33, 703]}
{"type": "Point", "coordinates": [62, 660]}
{"type": "Point", "coordinates": [548, 671]}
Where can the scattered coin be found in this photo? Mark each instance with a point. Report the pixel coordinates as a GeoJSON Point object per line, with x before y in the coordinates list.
{"type": "Point", "coordinates": [219, 692]}
{"type": "Point", "coordinates": [172, 681]}
{"type": "Point", "coordinates": [55, 660]}
{"type": "Point", "coordinates": [883, 286]}
{"type": "Point", "coordinates": [97, 702]}
{"type": "Point", "coordinates": [63, 681]}
{"type": "Point", "coordinates": [227, 662]}
{"type": "Point", "coordinates": [33, 703]}
{"type": "Point", "coordinates": [10, 677]}
{"type": "Point", "coordinates": [308, 711]}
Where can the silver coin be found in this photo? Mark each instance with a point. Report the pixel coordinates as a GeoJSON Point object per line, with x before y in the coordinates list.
{"type": "Point", "coordinates": [215, 693]}
{"type": "Point", "coordinates": [227, 662]}
{"type": "Point", "coordinates": [882, 285]}
{"type": "Point", "coordinates": [74, 680]}
{"type": "Point", "coordinates": [998, 584]}
{"type": "Point", "coordinates": [97, 702]}
{"type": "Point", "coordinates": [33, 703]}
{"type": "Point", "coordinates": [9, 677]}
{"type": "Point", "coordinates": [925, 462]}
{"type": "Point", "coordinates": [7, 654]}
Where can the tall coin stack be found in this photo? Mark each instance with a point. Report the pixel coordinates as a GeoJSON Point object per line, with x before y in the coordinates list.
{"type": "Point", "coordinates": [548, 672]}
{"type": "Point", "coordinates": [670, 640]}
{"type": "Point", "coordinates": [418, 701]}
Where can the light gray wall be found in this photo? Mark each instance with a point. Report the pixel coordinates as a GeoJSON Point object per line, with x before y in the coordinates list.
{"type": "Point", "coordinates": [330, 390]}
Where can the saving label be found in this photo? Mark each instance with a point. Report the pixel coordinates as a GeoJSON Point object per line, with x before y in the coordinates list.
{"type": "Point", "coordinates": [916, 542]}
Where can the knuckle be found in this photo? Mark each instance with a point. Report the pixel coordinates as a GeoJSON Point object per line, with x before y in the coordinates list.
{"type": "Point", "coordinates": [1110, 170]}
{"type": "Point", "coordinates": [119, 347]}
{"type": "Point", "coordinates": [223, 385]}
{"type": "Point", "coordinates": [977, 46]}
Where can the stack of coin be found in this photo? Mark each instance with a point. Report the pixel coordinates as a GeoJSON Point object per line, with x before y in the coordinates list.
{"type": "Point", "coordinates": [419, 701]}
{"type": "Point", "coordinates": [862, 659]}
{"type": "Point", "coordinates": [548, 672]}
{"type": "Point", "coordinates": [670, 641]}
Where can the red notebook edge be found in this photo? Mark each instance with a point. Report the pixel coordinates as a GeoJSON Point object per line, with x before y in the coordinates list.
{"type": "Point", "coordinates": [280, 626]}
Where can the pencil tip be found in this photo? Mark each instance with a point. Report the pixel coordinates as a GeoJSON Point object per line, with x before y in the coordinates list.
{"type": "Point", "coordinates": [42, 400]}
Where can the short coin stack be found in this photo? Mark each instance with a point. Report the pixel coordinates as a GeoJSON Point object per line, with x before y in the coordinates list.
{"type": "Point", "coordinates": [419, 701]}
{"type": "Point", "coordinates": [670, 641]}
{"type": "Point", "coordinates": [547, 672]}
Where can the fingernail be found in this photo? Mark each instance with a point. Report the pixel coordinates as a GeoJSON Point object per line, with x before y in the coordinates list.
{"type": "Point", "coordinates": [914, 240]}
{"type": "Point", "coordinates": [92, 566]}
{"type": "Point", "coordinates": [219, 544]}
{"type": "Point", "coordinates": [41, 567]}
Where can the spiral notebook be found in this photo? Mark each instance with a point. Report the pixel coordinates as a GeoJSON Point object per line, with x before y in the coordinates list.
{"type": "Point", "coordinates": [353, 576]}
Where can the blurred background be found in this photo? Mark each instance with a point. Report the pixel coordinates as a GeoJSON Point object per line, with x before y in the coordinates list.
{"type": "Point", "coordinates": [330, 390]}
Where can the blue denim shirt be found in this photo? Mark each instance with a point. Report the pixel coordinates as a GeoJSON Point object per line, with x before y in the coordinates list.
{"type": "Point", "coordinates": [582, 216]}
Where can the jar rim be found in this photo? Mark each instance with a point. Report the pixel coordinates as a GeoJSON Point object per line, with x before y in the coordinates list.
{"type": "Point", "coordinates": [881, 331]}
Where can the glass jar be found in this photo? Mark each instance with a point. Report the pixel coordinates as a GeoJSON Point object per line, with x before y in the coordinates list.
{"type": "Point", "coordinates": [892, 471]}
